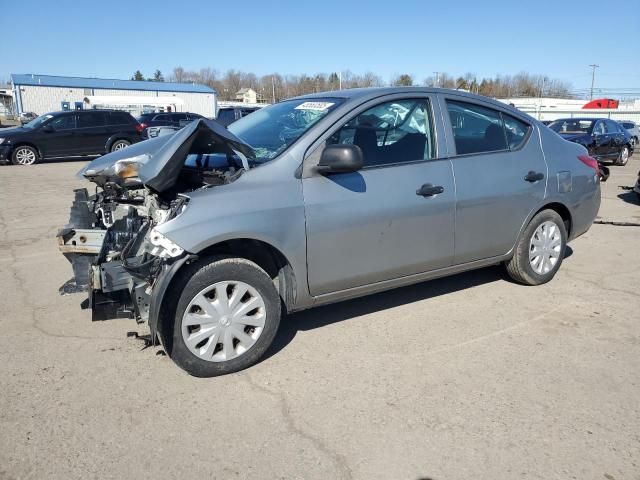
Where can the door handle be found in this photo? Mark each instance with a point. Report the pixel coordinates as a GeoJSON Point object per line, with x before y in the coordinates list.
{"type": "Point", "coordinates": [428, 190]}
{"type": "Point", "coordinates": [533, 176]}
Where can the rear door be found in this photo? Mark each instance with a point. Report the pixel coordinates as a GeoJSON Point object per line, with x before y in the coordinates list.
{"type": "Point", "coordinates": [603, 139]}
{"type": "Point", "coordinates": [91, 132]}
{"type": "Point", "coordinates": [373, 225]}
{"type": "Point", "coordinates": [500, 177]}
{"type": "Point", "coordinates": [617, 137]}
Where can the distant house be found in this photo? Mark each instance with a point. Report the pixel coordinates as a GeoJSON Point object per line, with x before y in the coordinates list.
{"type": "Point", "coordinates": [246, 95]}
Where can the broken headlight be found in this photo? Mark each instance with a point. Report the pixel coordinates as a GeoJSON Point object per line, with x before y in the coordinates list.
{"type": "Point", "coordinates": [129, 167]}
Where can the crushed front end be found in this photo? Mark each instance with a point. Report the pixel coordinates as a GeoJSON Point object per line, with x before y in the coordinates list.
{"type": "Point", "coordinates": [117, 255]}
{"type": "Point", "coordinates": [113, 250]}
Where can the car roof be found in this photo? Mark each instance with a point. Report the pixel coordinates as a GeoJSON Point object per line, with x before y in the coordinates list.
{"type": "Point", "coordinates": [582, 119]}
{"type": "Point", "coordinates": [60, 112]}
{"type": "Point", "coordinates": [369, 93]}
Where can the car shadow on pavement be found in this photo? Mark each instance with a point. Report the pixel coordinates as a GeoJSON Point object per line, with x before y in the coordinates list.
{"type": "Point", "coordinates": [326, 315]}
{"type": "Point", "coordinates": [630, 197]}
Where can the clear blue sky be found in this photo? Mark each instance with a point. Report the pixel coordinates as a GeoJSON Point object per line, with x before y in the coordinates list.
{"type": "Point", "coordinates": [114, 38]}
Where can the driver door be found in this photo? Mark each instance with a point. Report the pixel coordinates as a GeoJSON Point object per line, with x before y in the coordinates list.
{"type": "Point", "coordinates": [373, 225]}
{"type": "Point", "coordinates": [60, 141]}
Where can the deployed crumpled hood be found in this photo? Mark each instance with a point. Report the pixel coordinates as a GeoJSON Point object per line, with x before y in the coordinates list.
{"type": "Point", "coordinates": [158, 161]}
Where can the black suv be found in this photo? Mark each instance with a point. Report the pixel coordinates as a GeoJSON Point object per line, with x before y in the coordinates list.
{"type": "Point", "coordinates": [69, 134]}
{"type": "Point", "coordinates": [167, 119]}
{"type": "Point", "coordinates": [228, 115]}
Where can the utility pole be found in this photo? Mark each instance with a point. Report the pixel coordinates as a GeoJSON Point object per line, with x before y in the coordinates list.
{"type": "Point", "coordinates": [437, 74]}
{"type": "Point", "coordinates": [273, 88]}
{"type": "Point", "coordinates": [544, 80]}
{"type": "Point", "coordinates": [340, 81]}
{"type": "Point", "coordinates": [593, 77]}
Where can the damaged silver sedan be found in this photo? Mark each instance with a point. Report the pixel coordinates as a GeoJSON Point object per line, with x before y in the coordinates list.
{"type": "Point", "coordinates": [210, 235]}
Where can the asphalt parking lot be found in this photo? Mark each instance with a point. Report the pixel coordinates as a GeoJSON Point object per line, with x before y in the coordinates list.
{"type": "Point", "coordinates": [470, 376]}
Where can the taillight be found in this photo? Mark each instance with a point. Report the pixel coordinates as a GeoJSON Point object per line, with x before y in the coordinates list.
{"type": "Point", "coordinates": [140, 127]}
{"type": "Point", "coordinates": [589, 162]}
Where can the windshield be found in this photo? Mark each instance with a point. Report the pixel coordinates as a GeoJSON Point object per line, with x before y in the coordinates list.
{"type": "Point", "coordinates": [270, 130]}
{"type": "Point", "coordinates": [627, 125]}
{"type": "Point", "coordinates": [36, 122]}
{"type": "Point", "coordinates": [572, 126]}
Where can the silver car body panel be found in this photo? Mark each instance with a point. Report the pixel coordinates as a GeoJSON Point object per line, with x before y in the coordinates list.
{"type": "Point", "coordinates": [369, 231]}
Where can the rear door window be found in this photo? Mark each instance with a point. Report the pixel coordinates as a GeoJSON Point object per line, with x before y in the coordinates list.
{"type": "Point", "coordinates": [121, 118]}
{"type": "Point", "coordinates": [517, 131]}
{"type": "Point", "coordinates": [92, 119]}
{"type": "Point", "coordinates": [476, 129]}
{"type": "Point", "coordinates": [613, 127]}
{"type": "Point", "coordinates": [600, 128]}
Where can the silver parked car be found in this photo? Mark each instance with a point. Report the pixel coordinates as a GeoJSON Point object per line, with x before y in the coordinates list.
{"type": "Point", "coordinates": [210, 235]}
{"type": "Point", "coordinates": [632, 128]}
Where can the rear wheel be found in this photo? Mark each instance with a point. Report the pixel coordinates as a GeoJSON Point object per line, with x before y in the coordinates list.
{"type": "Point", "coordinates": [623, 158]}
{"type": "Point", "coordinates": [540, 250]}
{"type": "Point", "coordinates": [24, 155]}
{"type": "Point", "coordinates": [119, 145]}
{"type": "Point", "coordinates": [226, 317]}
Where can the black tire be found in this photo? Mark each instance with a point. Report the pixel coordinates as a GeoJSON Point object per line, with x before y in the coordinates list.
{"type": "Point", "coordinates": [119, 144]}
{"type": "Point", "coordinates": [198, 277]}
{"type": "Point", "coordinates": [18, 155]}
{"type": "Point", "coordinates": [519, 267]}
{"type": "Point", "coordinates": [623, 157]}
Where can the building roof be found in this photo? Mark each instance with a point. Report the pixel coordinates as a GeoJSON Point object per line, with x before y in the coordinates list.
{"type": "Point", "coordinates": [244, 90]}
{"type": "Point", "coordinates": [105, 83]}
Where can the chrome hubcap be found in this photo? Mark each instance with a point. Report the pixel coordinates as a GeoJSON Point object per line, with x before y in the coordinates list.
{"type": "Point", "coordinates": [625, 155]}
{"type": "Point", "coordinates": [223, 321]}
{"type": "Point", "coordinates": [120, 146]}
{"type": "Point", "coordinates": [25, 156]}
{"type": "Point", "coordinates": [545, 247]}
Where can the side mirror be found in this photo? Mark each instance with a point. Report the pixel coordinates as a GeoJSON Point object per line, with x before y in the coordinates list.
{"type": "Point", "coordinates": [48, 129]}
{"type": "Point", "coordinates": [341, 158]}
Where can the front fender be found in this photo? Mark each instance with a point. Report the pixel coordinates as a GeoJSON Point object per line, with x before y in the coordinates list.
{"type": "Point", "coordinates": [160, 290]}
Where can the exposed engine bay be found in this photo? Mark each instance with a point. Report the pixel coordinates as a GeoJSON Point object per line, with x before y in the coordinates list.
{"type": "Point", "coordinates": [110, 239]}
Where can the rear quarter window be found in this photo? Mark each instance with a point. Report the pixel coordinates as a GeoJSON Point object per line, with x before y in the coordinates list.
{"type": "Point", "coordinates": [121, 118]}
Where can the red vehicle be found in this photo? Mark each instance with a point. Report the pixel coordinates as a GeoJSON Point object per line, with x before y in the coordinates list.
{"type": "Point", "coordinates": [602, 103]}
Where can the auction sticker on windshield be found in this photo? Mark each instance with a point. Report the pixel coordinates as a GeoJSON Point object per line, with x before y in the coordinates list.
{"type": "Point", "coordinates": [314, 106]}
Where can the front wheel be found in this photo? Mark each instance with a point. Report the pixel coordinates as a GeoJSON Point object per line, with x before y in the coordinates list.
{"type": "Point", "coordinates": [226, 317]}
{"type": "Point", "coordinates": [540, 250]}
{"type": "Point", "coordinates": [24, 155]}
{"type": "Point", "coordinates": [623, 158]}
{"type": "Point", "coordinates": [119, 145]}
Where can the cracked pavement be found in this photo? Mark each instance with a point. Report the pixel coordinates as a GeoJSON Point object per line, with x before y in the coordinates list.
{"type": "Point", "coordinates": [470, 376]}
